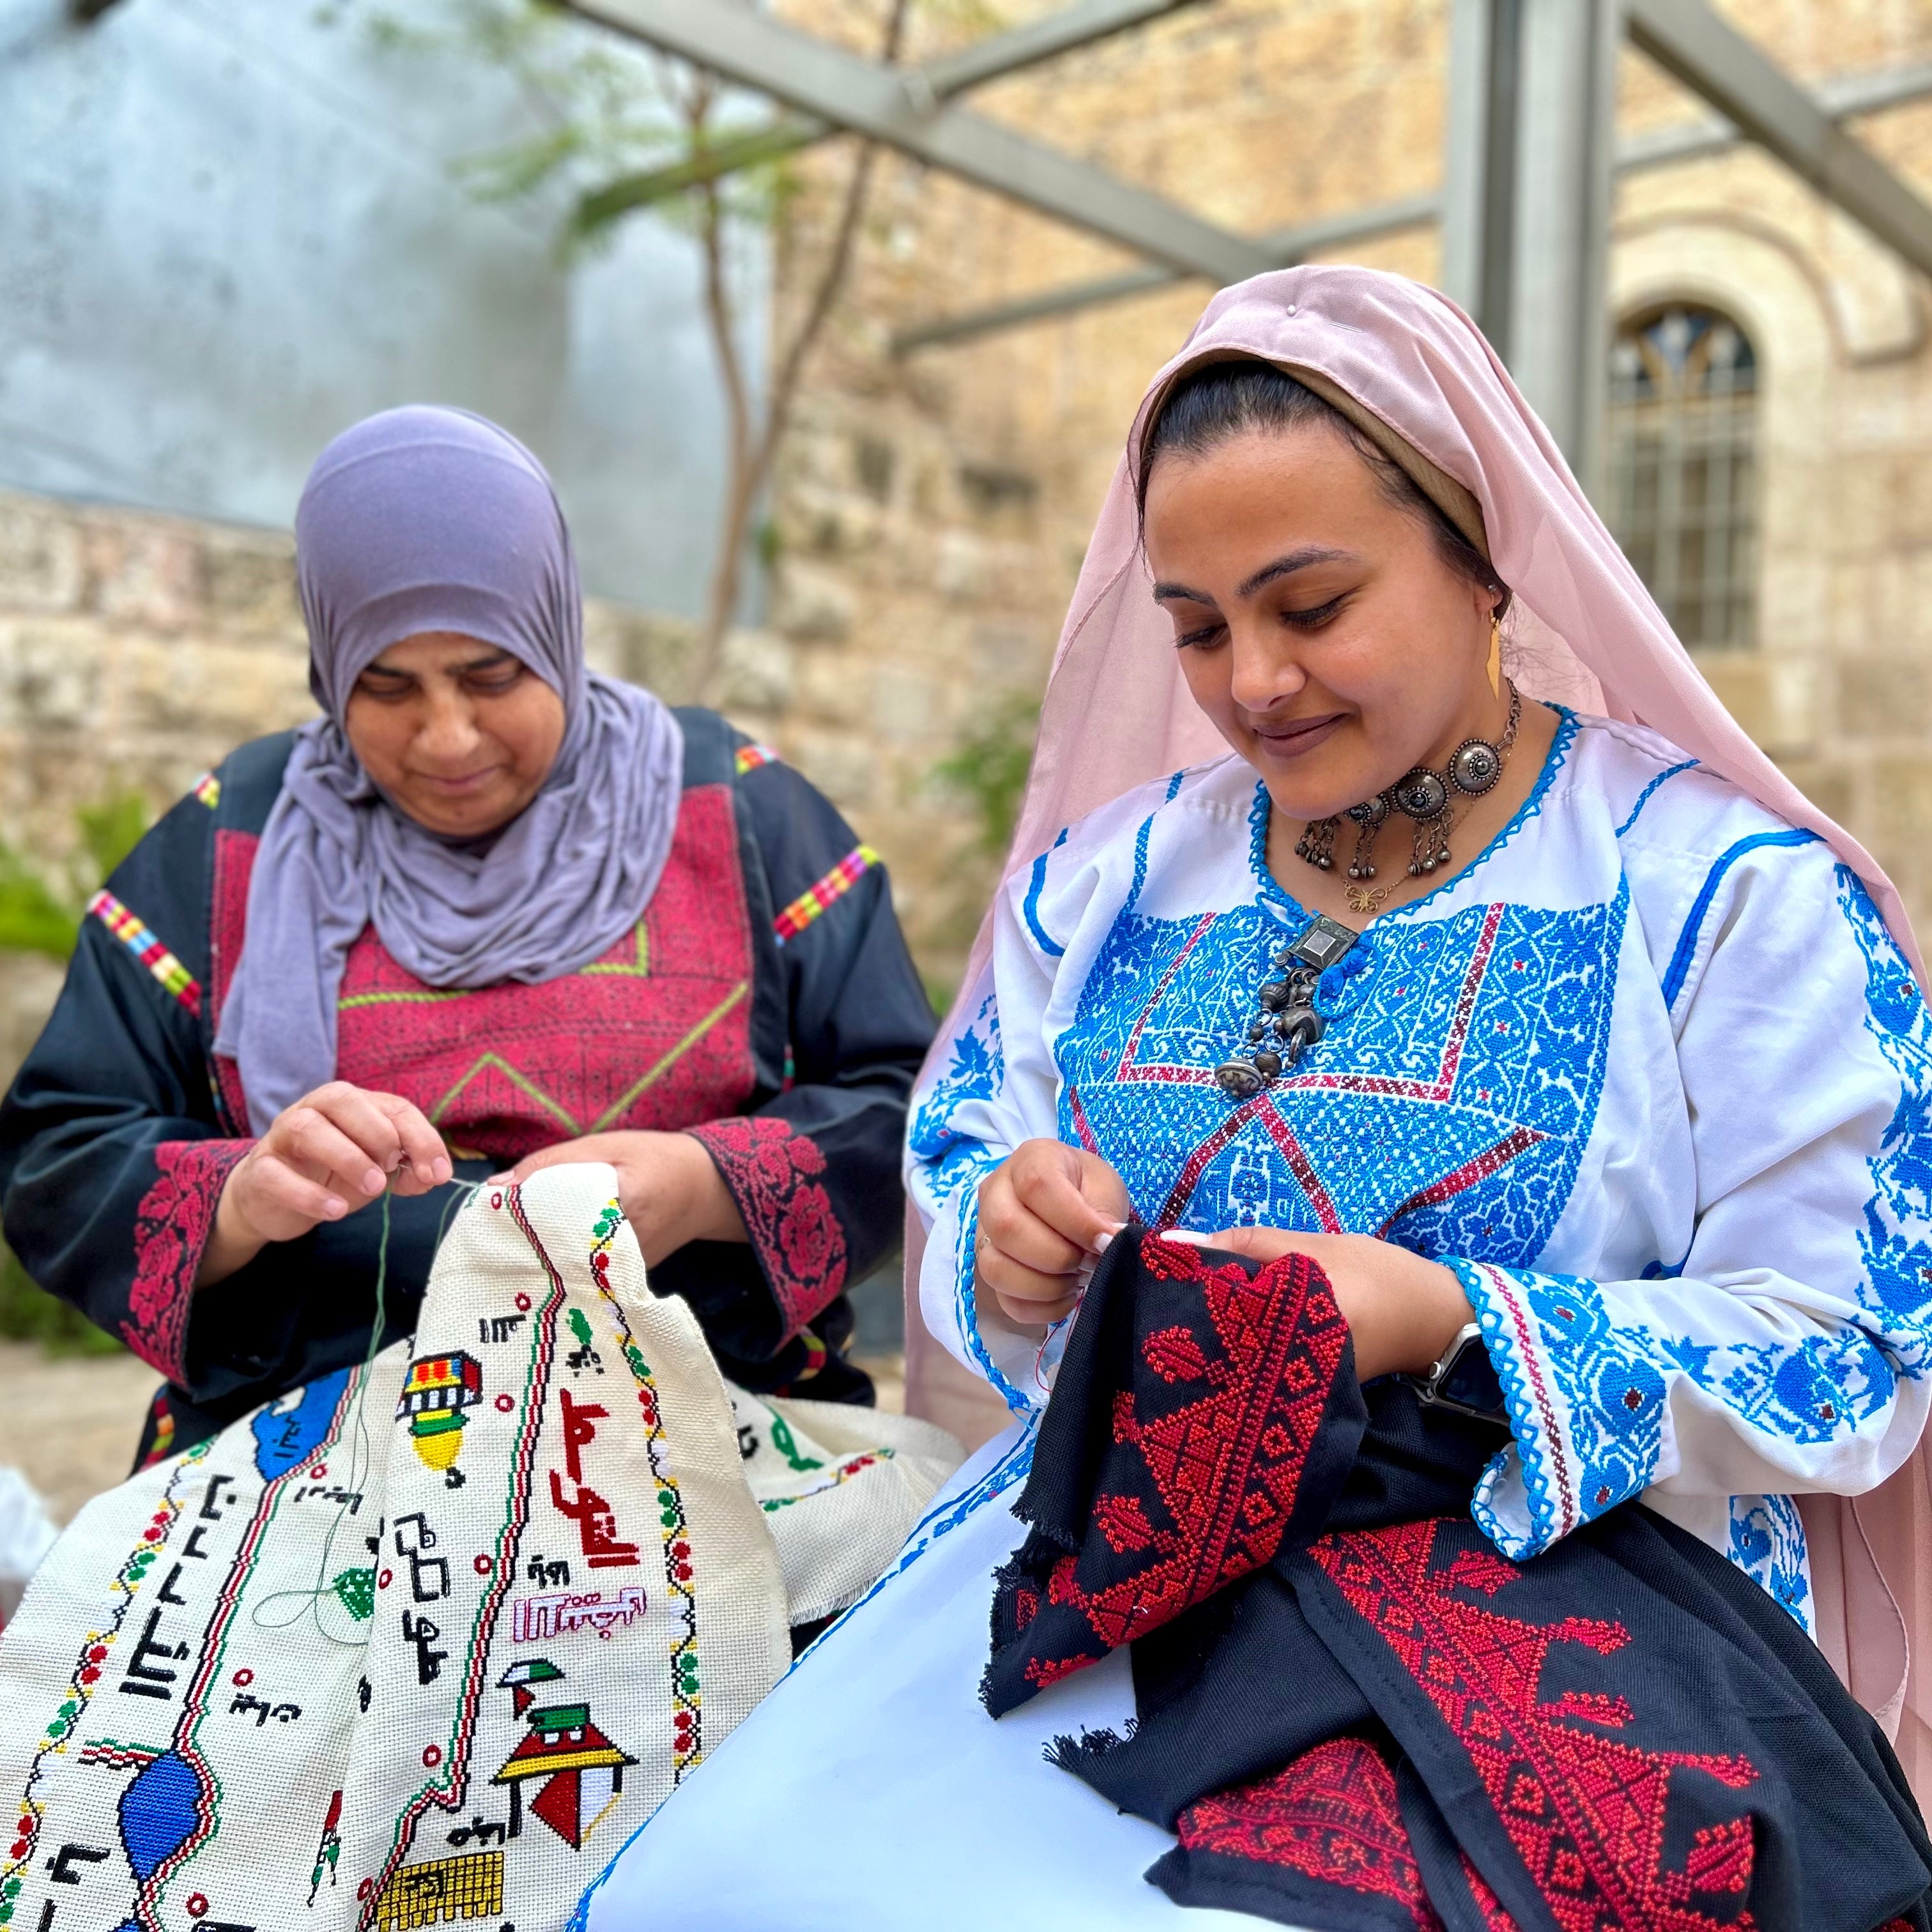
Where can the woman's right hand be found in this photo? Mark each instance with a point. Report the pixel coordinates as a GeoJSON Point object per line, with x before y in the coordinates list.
{"type": "Point", "coordinates": [1045, 1212]}
{"type": "Point", "coordinates": [334, 1151]}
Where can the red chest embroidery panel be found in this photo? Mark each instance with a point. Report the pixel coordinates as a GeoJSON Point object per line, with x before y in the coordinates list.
{"type": "Point", "coordinates": [655, 1034]}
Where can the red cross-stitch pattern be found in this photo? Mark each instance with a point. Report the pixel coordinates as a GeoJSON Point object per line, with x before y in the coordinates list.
{"type": "Point", "coordinates": [171, 1226]}
{"type": "Point", "coordinates": [1330, 1815]}
{"type": "Point", "coordinates": [773, 1172]}
{"type": "Point", "coordinates": [1226, 1468]}
{"type": "Point", "coordinates": [1586, 1811]}
{"type": "Point", "coordinates": [655, 1034]}
{"type": "Point", "coordinates": [227, 926]}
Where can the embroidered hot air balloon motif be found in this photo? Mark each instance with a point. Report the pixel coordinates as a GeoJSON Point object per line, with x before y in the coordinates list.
{"type": "Point", "coordinates": [440, 1388]}
{"type": "Point", "coordinates": [522, 1674]}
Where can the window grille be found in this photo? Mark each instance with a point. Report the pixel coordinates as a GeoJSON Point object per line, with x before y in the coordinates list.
{"type": "Point", "coordinates": [1682, 473]}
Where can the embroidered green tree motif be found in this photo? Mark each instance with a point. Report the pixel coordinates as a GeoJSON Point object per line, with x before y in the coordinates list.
{"type": "Point", "coordinates": [356, 1589]}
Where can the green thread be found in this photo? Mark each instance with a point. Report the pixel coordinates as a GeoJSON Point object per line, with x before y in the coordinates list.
{"type": "Point", "coordinates": [640, 969]}
{"type": "Point", "coordinates": [353, 1589]}
{"type": "Point", "coordinates": [632, 1094]}
{"type": "Point", "coordinates": [350, 1001]}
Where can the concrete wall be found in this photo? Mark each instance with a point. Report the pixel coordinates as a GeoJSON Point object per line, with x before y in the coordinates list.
{"type": "Point", "coordinates": [229, 228]}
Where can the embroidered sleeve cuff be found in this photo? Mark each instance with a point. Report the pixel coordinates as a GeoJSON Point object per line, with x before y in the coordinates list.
{"type": "Point", "coordinates": [1586, 1406]}
{"type": "Point", "coordinates": [171, 1226]}
{"type": "Point", "coordinates": [1011, 1362]}
{"type": "Point", "coordinates": [773, 1173]}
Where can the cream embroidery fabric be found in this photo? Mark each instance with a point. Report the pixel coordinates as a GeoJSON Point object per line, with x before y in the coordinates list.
{"type": "Point", "coordinates": [425, 1642]}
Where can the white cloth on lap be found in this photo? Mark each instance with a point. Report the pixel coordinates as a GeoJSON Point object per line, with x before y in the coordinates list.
{"type": "Point", "coordinates": [871, 1792]}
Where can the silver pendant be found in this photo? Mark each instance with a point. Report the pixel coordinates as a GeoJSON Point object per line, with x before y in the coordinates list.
{"type": "Point", "coordinates": [1474, 766]}
{"type": "Point", "coordinates": [1420, 793]}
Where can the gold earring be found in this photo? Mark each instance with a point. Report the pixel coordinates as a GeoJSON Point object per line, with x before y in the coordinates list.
{"type": "Point", "coordinates": [1495, 653]}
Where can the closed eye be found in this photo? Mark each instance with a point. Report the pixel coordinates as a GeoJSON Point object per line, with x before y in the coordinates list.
{"type": "Point", "coordinates": [1316, 615]}
{"type": "Point", "coordinates": [1203, 639]}
{"type": "Point", "coordinates": [494, 682]}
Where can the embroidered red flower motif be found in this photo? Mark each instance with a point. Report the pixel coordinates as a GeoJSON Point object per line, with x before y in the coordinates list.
{"type": "Point", "coordinates": [809, 1233]}
{"type": "Point", "coordinates": [171, 1226]}
{"type": "Point", "coordinates": [770, 1169]}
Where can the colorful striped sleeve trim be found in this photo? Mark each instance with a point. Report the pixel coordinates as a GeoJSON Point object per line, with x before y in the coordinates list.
{"type": "Point", "coordinates": [174, 976]}
{"type": "Point", "coordinates": [833, 887]}
{"type": "Point", "coordinates": [207, 789]}
{"type": "Point", "coordinates": [749, 758]}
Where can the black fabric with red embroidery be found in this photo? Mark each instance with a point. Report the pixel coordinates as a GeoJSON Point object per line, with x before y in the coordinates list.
{"type": "Point", "coordinates": [1355, 1715]}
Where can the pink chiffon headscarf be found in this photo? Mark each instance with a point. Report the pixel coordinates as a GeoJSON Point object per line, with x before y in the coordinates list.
{"type": "Point", "coordinates": [1583, 630]}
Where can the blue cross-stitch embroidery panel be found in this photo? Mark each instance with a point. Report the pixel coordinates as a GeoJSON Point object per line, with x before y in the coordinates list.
{"type": "Point", "coordinates": [1448, 1103]}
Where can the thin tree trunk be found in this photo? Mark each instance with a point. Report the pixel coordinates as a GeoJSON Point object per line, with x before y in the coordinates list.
{"type": "Point", "coordinates": [750, 456]}
{"type": "Point", "coordinates": [741, 468]}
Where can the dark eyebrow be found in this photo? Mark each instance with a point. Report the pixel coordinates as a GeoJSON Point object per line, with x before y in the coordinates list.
{"type": "Point", "coordinates": [487, 661]}
{"type": "Point", "coordinates": [1286, 566]}
{"type": "Point", "coordinates": [1282, 566]}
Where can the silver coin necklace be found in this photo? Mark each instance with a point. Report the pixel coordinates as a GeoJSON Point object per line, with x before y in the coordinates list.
{"type": "Point", "coordinates": [1430, 800]}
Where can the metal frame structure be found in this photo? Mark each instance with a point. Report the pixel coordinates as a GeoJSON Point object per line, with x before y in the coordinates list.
{"type": "Point", "coordinates": [1525, 248]}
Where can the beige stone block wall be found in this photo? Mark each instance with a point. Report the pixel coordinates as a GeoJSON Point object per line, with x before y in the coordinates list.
{"type": "Point", "coordinates": [1261, 113]}
{"type": "Point", "coordinates": [932, 511]}
{"type": "Point", "coordinates": [136, 651]}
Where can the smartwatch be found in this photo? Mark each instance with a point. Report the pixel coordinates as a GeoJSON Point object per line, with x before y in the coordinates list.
{"type": "Point", "coordinates": [1464, 1379]}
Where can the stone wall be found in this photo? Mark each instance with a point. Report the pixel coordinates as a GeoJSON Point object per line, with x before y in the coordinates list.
{"type": "Point", "coordinates": [137, 650]}
{"type": "Point", "coordinates": [930, 512]}
{"type": "Point", "coordinates": [934, 507]}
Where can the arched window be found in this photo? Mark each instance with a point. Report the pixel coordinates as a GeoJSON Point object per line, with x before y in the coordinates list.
{"type": "Point", "coordinates": [1682, 474]}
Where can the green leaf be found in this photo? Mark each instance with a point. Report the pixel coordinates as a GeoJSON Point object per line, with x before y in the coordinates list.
{"type": "Point", "coordinates": [705, 160]}
{"type": "Point", "coordinates": [29, 1314]}
{"type": "Point", "coordinates": [988, 771]}
{"type": "Point", "coordinates": [31, 918]}
{"type": "Point", "coordinates": [112, 827]}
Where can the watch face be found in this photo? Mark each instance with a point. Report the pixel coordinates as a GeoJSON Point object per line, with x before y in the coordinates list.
{"type": "Point", "coordinates": [1471, 1381]}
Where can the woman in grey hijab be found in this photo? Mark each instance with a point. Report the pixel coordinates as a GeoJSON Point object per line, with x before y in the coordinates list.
{"type": "Point", "coordinates": [490, 908]}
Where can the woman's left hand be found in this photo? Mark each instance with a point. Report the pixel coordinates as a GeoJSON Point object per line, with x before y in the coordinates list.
{"type": "Point", "coordinates": [1402, 1312]}
{"type": "Point", "coordinates": [671, 1191]}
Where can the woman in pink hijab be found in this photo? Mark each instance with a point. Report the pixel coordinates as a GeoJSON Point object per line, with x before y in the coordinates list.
{"type": "Point", "coordinates": [1505, 1126]}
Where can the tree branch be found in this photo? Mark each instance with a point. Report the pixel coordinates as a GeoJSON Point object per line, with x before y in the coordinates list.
{"type": "Point", "coordinates": [791, 365]}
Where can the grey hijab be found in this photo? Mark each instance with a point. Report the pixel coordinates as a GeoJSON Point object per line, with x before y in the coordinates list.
{"type": "Point", "coordinates": [434, 520]}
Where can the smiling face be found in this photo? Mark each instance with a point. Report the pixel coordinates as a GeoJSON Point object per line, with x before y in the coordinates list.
{"type": "Point", "coordinates": [1318, 625]}
{"type": "Point", "coordinates": [460, 734]}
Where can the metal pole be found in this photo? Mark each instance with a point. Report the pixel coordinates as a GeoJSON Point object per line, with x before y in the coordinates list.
{"type": "Point", "coordinates": [1466, 157]}
{"type": "Point", "coordinates": [1557, 337]}
{"type": "Point", "coordinates": [1480, 189]}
